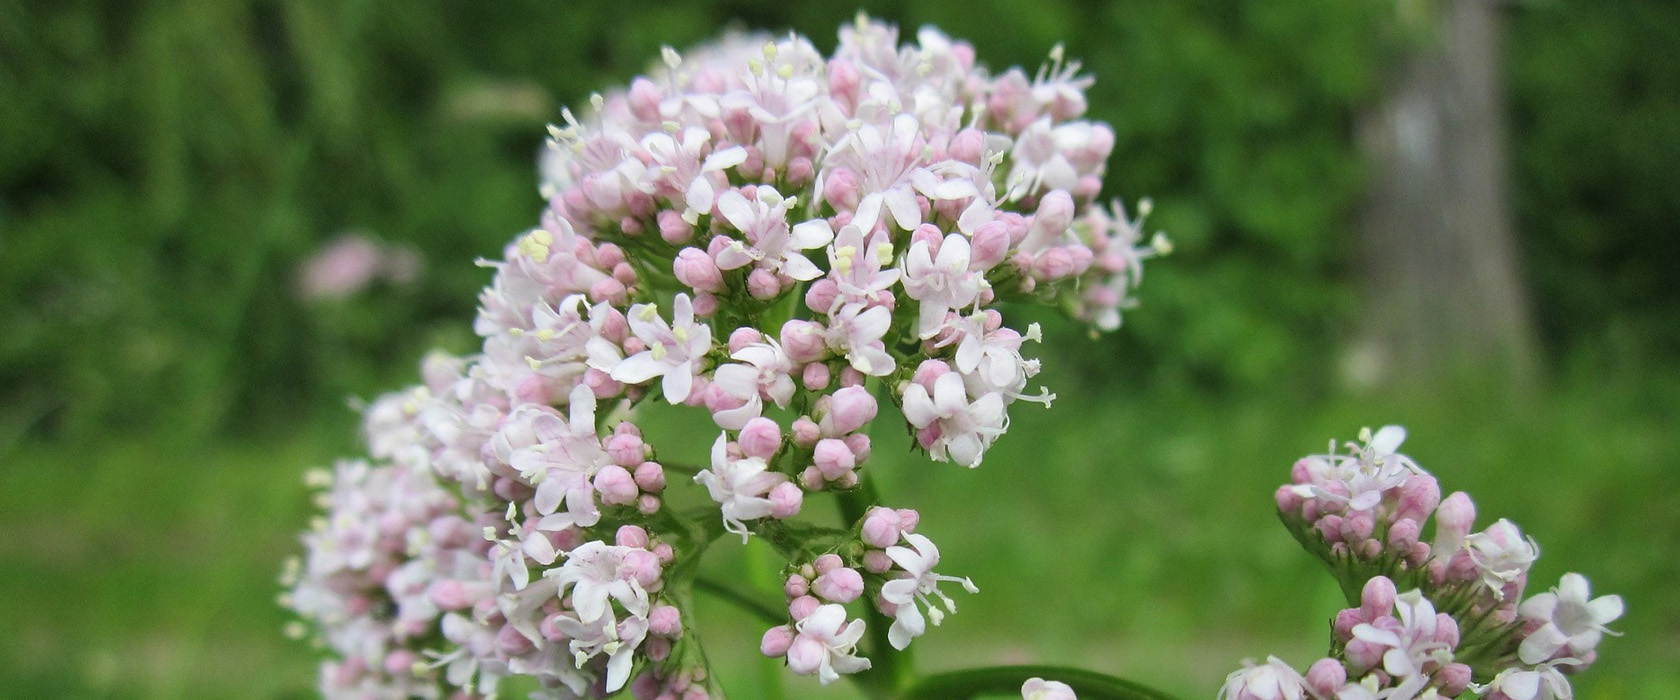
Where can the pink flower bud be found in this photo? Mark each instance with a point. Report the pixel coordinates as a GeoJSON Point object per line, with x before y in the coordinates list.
{"type": "Point", "coordinates": [849, 409]}
{"type": "Point", "coordinates": [1419, 497]}
{"type": "Point", "coordinates": [1446, 630]}
{"type": "Point", "coordinates": [1345, 621]}
{"type": "Point", "coordinates": [657, 648]}
{"type": "Point", "coordinates": [1053, 264]}
{"type": "Point", "coordinates": [616, 486]}
{"type": "Point", "coordinates": [930, 236]}
{"type": "Point", "coordinates": [763, 285]}
{"type": "Point", "coordinates": [1359, 525]}
{"type": "Point", "coordinates": [643, 566]}
{"type": "Point", "coordinates": [796, 586]}
{"type": "Point", "coordinates": [450, 595]}
{"type": "Point", "coordinates": [827, 563]}
{"type": "Point", "coordinates": [876, 561]}
{"type": "Point", "coordinates": [908, 519]}
{"type": "Point", "coordinates": [705, 304]}
{"type": "Point", "coordinates": [805, 431]}
{"type": "Point", "coordinates": [1363, 656]}
{"type": "Point", "coordinates": [842, 585]}
{"type": "Point", "coordinates": [631, 536]}
{"type": "Point", "coordinates": [881, 527]}
{"type": "Point", "coordinates": [741, 337]}
{"type": "Point", "coordinates": [601, 384]}
{"type": "Point", "coordinates": [801, 170]}
{"type": "Point", "coordinates": [990, 246]}
{"type": "Point", "coordinates": [512, 642]}
{"type": "Point", "coordinates": [1377, 598]}
{"type": "Point", "coordinates": [648, 504]}
{"type": "Point", "coordinates": [717, 246]}
{"type": "Point", "coordinates": [673, 229]}
{"type": "Point", "coordinates": [696, 269]}
{"type": "Point", "coordinates": [833, 458]}
{"type": "Point", "coordinates": [785, 500]}
{"type": "Point", "coordinates": [664, 552]}
{"type": "Point", "coordinates": [805, 655]}
{"type": "Point", "coordinates": [400, 663]}
{"type": "Point", "coordinates": [968, 146]}
{"type": "Point", "coordinates": [840, 189]}
{"type": "Point", "coordinates": [849, 376]}
{"type": "Point", "coordinates": [858, 443]}
{"type": "Point", "coordinates": [776, 641]}
{"type": "Point", "coordinates": [1453, 520]}
{"type": "Point", "coordinates": [1055, 212]}
{"type": "Point", "coordinates": [760, 437]}
{"type": "Point", "coordinates": [1325, 677]}
{"type": "Point", "coordinates": [665, 621]}
{"type": "Point", "coordinates": [822, 295]}
{"type": "Point", "coordinates": [812, 479]}
{"type": "Point", "coordinates": [1287, 500]}
{"type": "Point", "coordinates": [815, 376]}
{"type": "Point", "coordinates": [609, 290]}
{"type": "Point", "coordinates": [1453, 679]}
{"type": "Point", "coordinates": [804, 341]}
{"type": "Point", "coordinates": [650, 477]}
{"type": "Point", "coordinates": [928, 372]}
{"type": "Point", "coordinates": [1403, 535]}
{"type": "Point", "coordinates": [802, 607]}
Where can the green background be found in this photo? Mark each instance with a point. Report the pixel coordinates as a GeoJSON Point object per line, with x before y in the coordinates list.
{"type": "Point", "coordinates": [165, 167]}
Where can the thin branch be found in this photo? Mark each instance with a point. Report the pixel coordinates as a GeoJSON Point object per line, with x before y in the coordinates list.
{"type": "Point", "coordinates": [741, 599]}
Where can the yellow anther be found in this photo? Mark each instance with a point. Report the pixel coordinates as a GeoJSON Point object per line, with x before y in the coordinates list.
{"type": "Point", "coordinates": [680, 333]}
{"type": "Point", "coordinates": [785, 70]}
{"type": "Point", "coordinates": [884, 250]}
{"type": "Point", "coordinates": [534, 363]}
{"type": "Point", "coordinates": [545, 334]}
{"type": "Point", "coordinates": [658, 351]}
{"type": "Point", "coordinates": [1161, 243]}
{"type": "Point", "coordinates": [648, 312]}
{"type": "Point", "coordinates": [770, 50]}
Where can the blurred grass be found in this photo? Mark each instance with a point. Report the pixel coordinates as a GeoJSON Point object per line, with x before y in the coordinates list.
{"type": "Point", "coordinates": [1131, 533]}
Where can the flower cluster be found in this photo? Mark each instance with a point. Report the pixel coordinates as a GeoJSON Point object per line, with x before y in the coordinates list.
{"type": "Point", "coordinates": [1462, 629]}
{"type": "Point", "coordinates": [780, 239]}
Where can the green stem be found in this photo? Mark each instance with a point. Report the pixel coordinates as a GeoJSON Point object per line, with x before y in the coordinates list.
{"type": "Point", "coordinates": [740, 599]}
{"type": "Point", "coordinates": [892, 669]}
{"type": "Point", "coordinates": [1007, 680]}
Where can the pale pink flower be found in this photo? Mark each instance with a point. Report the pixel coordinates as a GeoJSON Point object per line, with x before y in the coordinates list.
{"type": "Point", "coordinates": [963, 429]}
{"type": "Point", "coordinates": [771, 244]}
{"type": "Point", "coordinates": [856, 332]}
{"type": "Point", "coordinates": [1273, 680]}
{"type": "Point", "coordinates": [941, 283]}
{"type": "Point", "coordinates": [911, 592]}
{"type": "Point", "coordinates": [1570, 623]}
{"type": "Point", "coordinates": [740, 486]}
{"type": "Point", "coordinates": [826, 645]}
{"type": "Point", "coordinates": [674, 350]}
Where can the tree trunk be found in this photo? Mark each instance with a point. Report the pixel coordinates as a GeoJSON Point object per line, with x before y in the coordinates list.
{"type": "Point", "coordinates": [1443, 292]}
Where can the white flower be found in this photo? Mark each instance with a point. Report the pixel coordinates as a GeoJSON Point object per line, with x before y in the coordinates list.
{"type": "Point", "coordinates": [942, 282]}
{"type": "Point", "coordinates": [765, 372]}
{"type": "Point", "coordinates": [673, 351]}
{"type": "Point", "coordinates": [770, 243]}
{"type": "Point", "coordinates": [1275, 680]}
{"type": "Point", "coordinates": [856, 331]}
{"type": "Point", "coordinates": [618, 639]}
{"type": "Point", "coordinates": [595, 572]}
{"type": "Point", "coordinates": [915, 588]}
{"type": "Point", "coordinates": [558, 457]}
{"type": "Point", "coordinates": [965, 429]}
{"type": "Point", "coordinates": [739, 486]}
{"type": "Point", "coordinates": [828, 640]}
{"type": "Point", "coordinates": [1543, 682]}
{"type": "Point", "coordinates": [1411, 644]}
{"type": "Point", "coordinates": [1040, 689]}
{"type": "Point", "coordinates": [1502, 555]}
{"type": "Point", "coordinates": [1569, 620]}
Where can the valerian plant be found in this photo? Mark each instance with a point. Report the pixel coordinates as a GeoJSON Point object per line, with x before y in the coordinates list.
{"type": "Point", "coordinates": [785, 240]}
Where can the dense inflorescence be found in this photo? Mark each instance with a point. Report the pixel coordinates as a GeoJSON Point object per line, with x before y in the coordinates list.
{"type": "Point", "coordinates": [782, 240]}
{"type": "Point", "coordinates": [1461, 628]}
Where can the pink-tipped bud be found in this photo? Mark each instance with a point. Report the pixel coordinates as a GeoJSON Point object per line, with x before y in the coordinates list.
{"type": "Point", "coordinates": [665, 553]}
{"type": "Point", "coordinates": [697, 270]}
{"type": "Point", "coordinates": [785, 500]}
{"type": "Point", "coordinates": [805, 431]}
{"type": "Point", "coordinates": [858, 443]}
{"type": "Point", "coordinates": [908, 519]}
{"type": "Point", "coordinates": [761, 437]}
{"type": "Point", "coordinates": [658, 649]}
{"type": "Point", "coordinates": [648, 504]}
{"type": "Point", "coordinates": [849, 409]}
{"type": "Point", "coordinates": [822, 295]}
{"type": "Point", "coordinates": [840, 188]}
{"type": "Point", "coordinates": [1403, 535]}
{"type": "Point", "coordinates": [796, 586]}
{"type": "Point", "coordinates": [650, 477]}
{"type": "Point", "coordinates": [1377, 598]}
{"type": "Point", "coordinates": [990, 247]}
{"type": "Point", "coordinates": [881, 527]}
{"type": "Point", "coordinates": [616, 486]}
{"type": "Point", "coordinates": [609, 290]}
{"type": "Point", "coordinates": [741, 337]}
{"type": "Point", "coordinates": [1053, 264]}
{"type": "Point", "coordinates": [1453, 520]}
{"type": "Point", "coordinates": [1344, 622]}
{"type": "Point", "coordinates": [512, 642]}
{"type": "Point", "coordinates": [833, 458]}
{"type": "Point", "coordinates": [631, 536]}
{"type": "Point", "coordinates": [1359, 525]}
{"type": "Point", "coordinates": [451, 595]}
{"type": "Point", "coordinates": [643, 566]}
{"type": "Point", "coordinates": [1325, 677]}
{"type": "Point", "coordinates": [804, 341]}
{"type": "Point", "coordinates": [815, 376]}
{"type": "Point", "coordinates": [928, 235]}
{"type": "Point", "coordinates": [1287, 500]}
{"type": "Point", "coordinates": [841, 585]}
{"type": "Point", "coordinates": [673, 229]}
{"type": "Point", "coordinates": [1419, 497]}
{"type": "Point", "coordinates": [850, 376]}
{"type": "Point", "coordinates": [968, 146]}
{"type": "Point", "coordinates": [876, 561]}
{"type": "Point", "coordinates": [1453, 679]}
{"type": "Point", "coordinates": [665, 621]}
{"type": "Point", "coordinates": [626, 449]}
{"type": "Point", "coordinates": [400, 663]}
{"type": "Point", "coordinates": [763, 285]}
{"type": "Point", "coordinates": [928, 372]}
{"type": "Point", "coordinates": [776, 641]}
{"type": "Point", "coordinates": [827, 563]}
{"type": "Point", "coordinates": [802, 607]}
{"type": "Point", "coordinates": [1363, 656]}
{"type": "Point", "coordinates": [812, 479]}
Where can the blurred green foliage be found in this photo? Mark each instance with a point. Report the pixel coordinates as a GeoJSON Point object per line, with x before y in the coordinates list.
{"type": "Point", "coordinates": [166, 166]}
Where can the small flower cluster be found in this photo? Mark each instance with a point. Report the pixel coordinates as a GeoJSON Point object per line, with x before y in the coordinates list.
{"type": "Point", "coordinates": [1462, 629]}
{"type": "Point", "coordinates": [783, 240]}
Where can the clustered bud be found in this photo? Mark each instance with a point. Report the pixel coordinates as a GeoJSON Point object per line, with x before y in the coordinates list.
{"type": "Point", "coordinates": [1459, 629]}
{"type": "Point", "coordinates": [783, 240]}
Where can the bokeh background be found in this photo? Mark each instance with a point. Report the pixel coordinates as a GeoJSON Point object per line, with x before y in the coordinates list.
{"type": "Point", "coordinates": [167, 167]}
